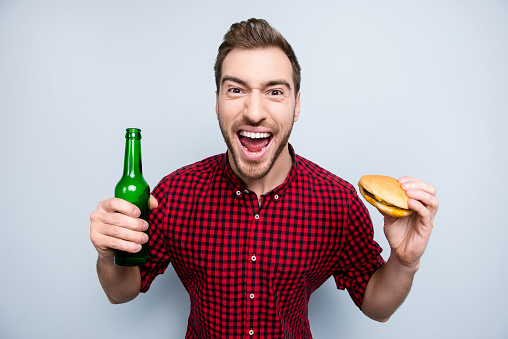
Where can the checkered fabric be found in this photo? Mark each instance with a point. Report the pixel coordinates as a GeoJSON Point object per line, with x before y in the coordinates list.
{"type": "Point", "coordinates": [250, 268]}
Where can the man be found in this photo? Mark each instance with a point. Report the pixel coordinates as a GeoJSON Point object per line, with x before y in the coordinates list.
{"type": "Point", "coordinates": [253, 232]}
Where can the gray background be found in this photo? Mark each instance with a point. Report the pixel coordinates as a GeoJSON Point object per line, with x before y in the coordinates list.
{"type": "Point", "coordinates": [389, 87]}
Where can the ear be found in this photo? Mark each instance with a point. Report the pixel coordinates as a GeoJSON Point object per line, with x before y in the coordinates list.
{"type": "Point", "coordinates": [297, 108]}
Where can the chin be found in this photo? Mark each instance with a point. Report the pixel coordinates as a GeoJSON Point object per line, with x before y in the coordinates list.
{"type": "Point", "coordinates": [252, 170]}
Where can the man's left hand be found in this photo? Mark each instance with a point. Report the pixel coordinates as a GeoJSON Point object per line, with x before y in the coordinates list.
{"type": "Point", "coordinates": [408, 236]}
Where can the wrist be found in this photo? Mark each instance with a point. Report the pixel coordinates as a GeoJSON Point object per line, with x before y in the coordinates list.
{"type": "Point", "coordinates": [402, 265]}
{"type": "Point", "coordinates": [107, 259]}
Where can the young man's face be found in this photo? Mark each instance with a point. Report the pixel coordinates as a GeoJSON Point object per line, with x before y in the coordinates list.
{"type": "Point", "coordinates": [256, 107]}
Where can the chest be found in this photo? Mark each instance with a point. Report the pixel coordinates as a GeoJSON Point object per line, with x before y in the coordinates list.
{"type": "Point", "coordinates": [229, 233]}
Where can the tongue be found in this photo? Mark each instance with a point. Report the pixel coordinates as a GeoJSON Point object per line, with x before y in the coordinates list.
{"type": "Point", "coordinates": [254, 145]}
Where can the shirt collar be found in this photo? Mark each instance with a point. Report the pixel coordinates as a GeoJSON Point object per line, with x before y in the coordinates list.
{"type": "Point", "coordinates": [238, 187]}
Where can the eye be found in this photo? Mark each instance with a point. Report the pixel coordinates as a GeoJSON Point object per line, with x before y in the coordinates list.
{"type": "Point", "coordinates": [234, 90]}
{"type": "Point", "coordinates": [275, 92]}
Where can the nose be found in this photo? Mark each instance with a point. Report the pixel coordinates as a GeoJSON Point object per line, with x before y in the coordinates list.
{"type": "Point", "coordinates": [254, 110]}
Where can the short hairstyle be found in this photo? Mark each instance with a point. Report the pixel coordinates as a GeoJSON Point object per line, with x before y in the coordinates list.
{"type": "Point", "coordinates": [254, 34]}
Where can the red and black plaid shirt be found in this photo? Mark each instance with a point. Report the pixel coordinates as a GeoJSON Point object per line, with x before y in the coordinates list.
{"type": "Point", "coordinates": [250, 268]}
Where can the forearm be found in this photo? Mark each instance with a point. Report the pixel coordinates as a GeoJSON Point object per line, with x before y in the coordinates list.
{"type": "Point", "coordinates": [387, 289]}
{"type": "Point", "coordinates": [121, 284]}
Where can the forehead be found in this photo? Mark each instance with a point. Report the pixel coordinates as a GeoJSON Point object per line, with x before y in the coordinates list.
{"type": "Point", "coordinates": [258, 66]}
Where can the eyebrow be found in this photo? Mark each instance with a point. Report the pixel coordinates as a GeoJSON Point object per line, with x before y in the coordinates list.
{"type": "Point", "coordinates": [233, 79]}
{"type": "Point", "coordinates": [278, 82]}
{"type": "Point", "coordinates": [266, 84]}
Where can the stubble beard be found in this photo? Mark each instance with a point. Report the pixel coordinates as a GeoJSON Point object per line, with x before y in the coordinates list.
{"type": "Point", "coordinates": [250, 170]}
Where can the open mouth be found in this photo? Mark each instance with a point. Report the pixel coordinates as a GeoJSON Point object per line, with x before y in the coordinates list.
{"type": "Point", "coordinates": [254, 142]}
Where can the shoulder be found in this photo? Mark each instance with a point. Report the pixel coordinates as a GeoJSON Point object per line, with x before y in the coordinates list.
{"type": "Point", "coordinates": [196, 173]}
{"type": "Point", "coordinates": [335, 192]}
{"type": "Point", "coordinates": [321, 177]}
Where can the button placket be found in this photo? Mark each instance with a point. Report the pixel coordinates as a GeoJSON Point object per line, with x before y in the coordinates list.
{"type": "Point", "coordinates": [254, 263]}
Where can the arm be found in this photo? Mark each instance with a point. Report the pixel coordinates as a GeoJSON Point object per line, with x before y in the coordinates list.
{"type": "Point", "coordinates": [116, 225]}
{"type": "Point", "coordinates": [121, 284]}
{"type": "Point", "coordinates": [408, 237]}
{"type": "Point", "coordinates": [387, 289]}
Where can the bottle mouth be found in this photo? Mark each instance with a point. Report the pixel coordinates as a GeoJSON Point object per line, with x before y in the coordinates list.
{"type": "Point", "coordinates": [133, 133]}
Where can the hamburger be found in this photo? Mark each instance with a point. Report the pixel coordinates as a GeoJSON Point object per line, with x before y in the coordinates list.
{"type": "Point", "coordinates": [385, 194]}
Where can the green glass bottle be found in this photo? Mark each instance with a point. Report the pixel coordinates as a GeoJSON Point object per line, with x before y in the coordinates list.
{"type": "Point", "coordinates": [133, 188]}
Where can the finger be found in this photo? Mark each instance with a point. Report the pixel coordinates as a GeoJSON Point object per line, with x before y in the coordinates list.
{"type": "Point", "coordinates": [153, 203]}
{"type": "Point", "coordinates": [106, 237]}
{"type": "Point", "coordinates": [408, 183]}
{"type": "Point", "coordinates": [120, 205]}
{"type": "Point", "coordinates": [118, 225]}
{"type": "Point", "coordinates": [108, 243]}
{"type": "Point", "coordinates": [425, 198]}
{"type": "Point", "coordinates": [126, 234]}
{"type": "Point", "coordinates": [425, 215]}
{"type": "Point", "coordinates": [125, 221]}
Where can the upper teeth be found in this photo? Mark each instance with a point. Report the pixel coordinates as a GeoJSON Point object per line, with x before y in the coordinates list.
{"type": "Point", "coordinates": [254, 135]}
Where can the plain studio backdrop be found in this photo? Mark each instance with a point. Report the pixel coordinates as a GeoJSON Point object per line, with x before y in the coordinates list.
{"type": "Point", "coordinates": [389, 87]}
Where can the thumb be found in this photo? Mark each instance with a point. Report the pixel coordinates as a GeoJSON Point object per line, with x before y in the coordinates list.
{"type": "Point", "coordinates": [153, 203]}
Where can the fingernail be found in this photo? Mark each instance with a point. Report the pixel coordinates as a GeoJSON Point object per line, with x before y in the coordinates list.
{"type": "Point", "coordinates": [145, 238]}
{"type": "Point", "coordinates": [145, 226]}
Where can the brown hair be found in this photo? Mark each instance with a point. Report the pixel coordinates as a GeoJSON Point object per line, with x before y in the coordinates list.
{"type": "Point", "coordinates": [252, 34]}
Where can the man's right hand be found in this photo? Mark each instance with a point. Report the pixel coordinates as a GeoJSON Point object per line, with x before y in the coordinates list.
{"type": "Point", "coordinates": [115, 225]}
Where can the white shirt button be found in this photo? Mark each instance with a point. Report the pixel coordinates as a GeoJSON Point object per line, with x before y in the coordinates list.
{"type": "Point", "coordinates": [276, 197]}
{"type": "Point", "coordinates": [246, 191]}
{"type": "Point", "coordinates": [251, 332]}
{"type": "Point", "coordinates": [256, 216]}
{"type": "Point", "coordinates": [253, 258]}
{"type": "Point", "coordinates": [238, 192]}
{"type": "Point", "coordinates": [252, 296]}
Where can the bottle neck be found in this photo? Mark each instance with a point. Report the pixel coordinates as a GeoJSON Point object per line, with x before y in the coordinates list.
{"type": "Point", "coordinates": [132, 162]}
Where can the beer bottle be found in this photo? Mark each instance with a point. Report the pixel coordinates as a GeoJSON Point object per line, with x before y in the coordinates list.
{"type": "Point", "coordinates": [133, 188]}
